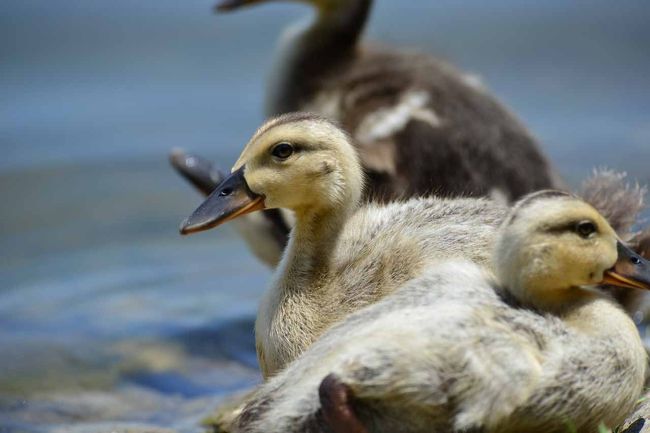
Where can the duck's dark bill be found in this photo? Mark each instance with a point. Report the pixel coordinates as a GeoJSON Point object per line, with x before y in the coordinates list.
{"type": "Point", "coordinates": [230, 5]}
{"type": "Point", "coordinates": [631, 270]}
{"type": "Point", "coordinates": [231, 199]}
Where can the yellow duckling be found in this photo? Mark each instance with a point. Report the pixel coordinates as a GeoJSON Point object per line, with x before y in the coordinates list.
{"type": "Point", "coordinates": [342, 255]}
{"type": "Point", "coordinates": [544, 350]}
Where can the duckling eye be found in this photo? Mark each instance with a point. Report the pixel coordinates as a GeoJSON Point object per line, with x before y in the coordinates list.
{"type": "Point", "coordinates": [586, 228]}
{"type": "Point", "coordinates": [282, 150]}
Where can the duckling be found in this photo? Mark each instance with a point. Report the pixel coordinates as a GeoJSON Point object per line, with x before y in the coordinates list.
{"type": "Point", "coordinates": [342, 254]}
{"type": "Point", "coordinates": [420, 125]}
{"type": "Point", "coordinates": [543, 350]}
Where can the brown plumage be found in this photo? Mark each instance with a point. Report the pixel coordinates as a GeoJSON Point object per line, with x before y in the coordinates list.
{"type": "Point", "coordinates": [421, 127]}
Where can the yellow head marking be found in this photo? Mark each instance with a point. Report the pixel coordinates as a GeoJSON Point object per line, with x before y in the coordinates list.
{"type": "Point", "coordinates": [551, 246]}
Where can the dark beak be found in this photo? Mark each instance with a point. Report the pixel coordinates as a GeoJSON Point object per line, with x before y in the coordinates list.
{"type": "Point", "coordinates": [196, 170]}
{"type": "Point", "coordinates": [231, 5]}
{"type": "Point", "coordinates": [231, 199]}
{"type": "Point", "coordinates": [631, 270]}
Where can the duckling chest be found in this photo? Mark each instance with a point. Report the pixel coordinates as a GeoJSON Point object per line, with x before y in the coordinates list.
{"type": "Point", "coordinates": [286, 325]}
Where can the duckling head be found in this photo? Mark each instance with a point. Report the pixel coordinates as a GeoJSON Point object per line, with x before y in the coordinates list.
{"type": "Point", "coordinates": [298, 161]}
{"type": "Point", "coordinates": [554, 249]}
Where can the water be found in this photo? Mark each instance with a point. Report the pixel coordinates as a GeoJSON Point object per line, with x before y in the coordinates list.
{"type": "Point", "coordinates": [108, 317]}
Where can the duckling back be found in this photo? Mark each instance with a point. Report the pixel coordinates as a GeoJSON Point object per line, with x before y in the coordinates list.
{"type": "Point", "coordinates": [384, 246]}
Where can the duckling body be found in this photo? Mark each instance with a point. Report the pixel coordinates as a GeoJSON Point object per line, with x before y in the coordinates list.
{"type": "Point", "coordinates": [453, 350]}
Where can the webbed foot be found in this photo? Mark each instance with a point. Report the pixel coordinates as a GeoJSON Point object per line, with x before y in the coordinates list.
{"type": "Point", "coordinates": [336, 403]}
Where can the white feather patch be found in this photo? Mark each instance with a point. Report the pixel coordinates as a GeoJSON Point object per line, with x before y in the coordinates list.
{"type": "Point", "coordinates": [387, 121]}
{"type": "Point", "coordinates": [474, 81]}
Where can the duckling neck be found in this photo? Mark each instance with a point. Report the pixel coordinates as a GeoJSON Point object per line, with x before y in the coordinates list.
{"type": "Point", "coordinates": [288, 318]}
{"type": "Point", "coordinates": [590, 313]}
{"type": "Point", "coordinates": [309, 52]}
{"type": "Point", "coordinates": [311, 245]}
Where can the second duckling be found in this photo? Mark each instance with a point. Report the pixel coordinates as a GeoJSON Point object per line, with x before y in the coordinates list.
{"type": "Point", "coordinates": [453, 351]}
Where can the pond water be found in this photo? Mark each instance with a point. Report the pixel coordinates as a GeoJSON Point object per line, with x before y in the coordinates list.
{"type": "Point", "coordinates": [108, 318]}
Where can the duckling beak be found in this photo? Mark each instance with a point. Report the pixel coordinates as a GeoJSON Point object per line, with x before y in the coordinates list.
{"type": "Point", "coordinates": [631, 270]}
{"type": "Point", "coordinates": [196, 170]}
{"type": "Point", "coordinates": [231, 199]}
{"type": "Point", "coordinates": [231, 5]}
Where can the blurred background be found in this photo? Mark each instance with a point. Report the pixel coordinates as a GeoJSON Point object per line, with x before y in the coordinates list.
{"type": "Point", "coordinates": [108, 318]}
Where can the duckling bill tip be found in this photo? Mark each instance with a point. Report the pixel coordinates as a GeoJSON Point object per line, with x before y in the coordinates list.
{"type": "Point", "coordinates": [185, 228]}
